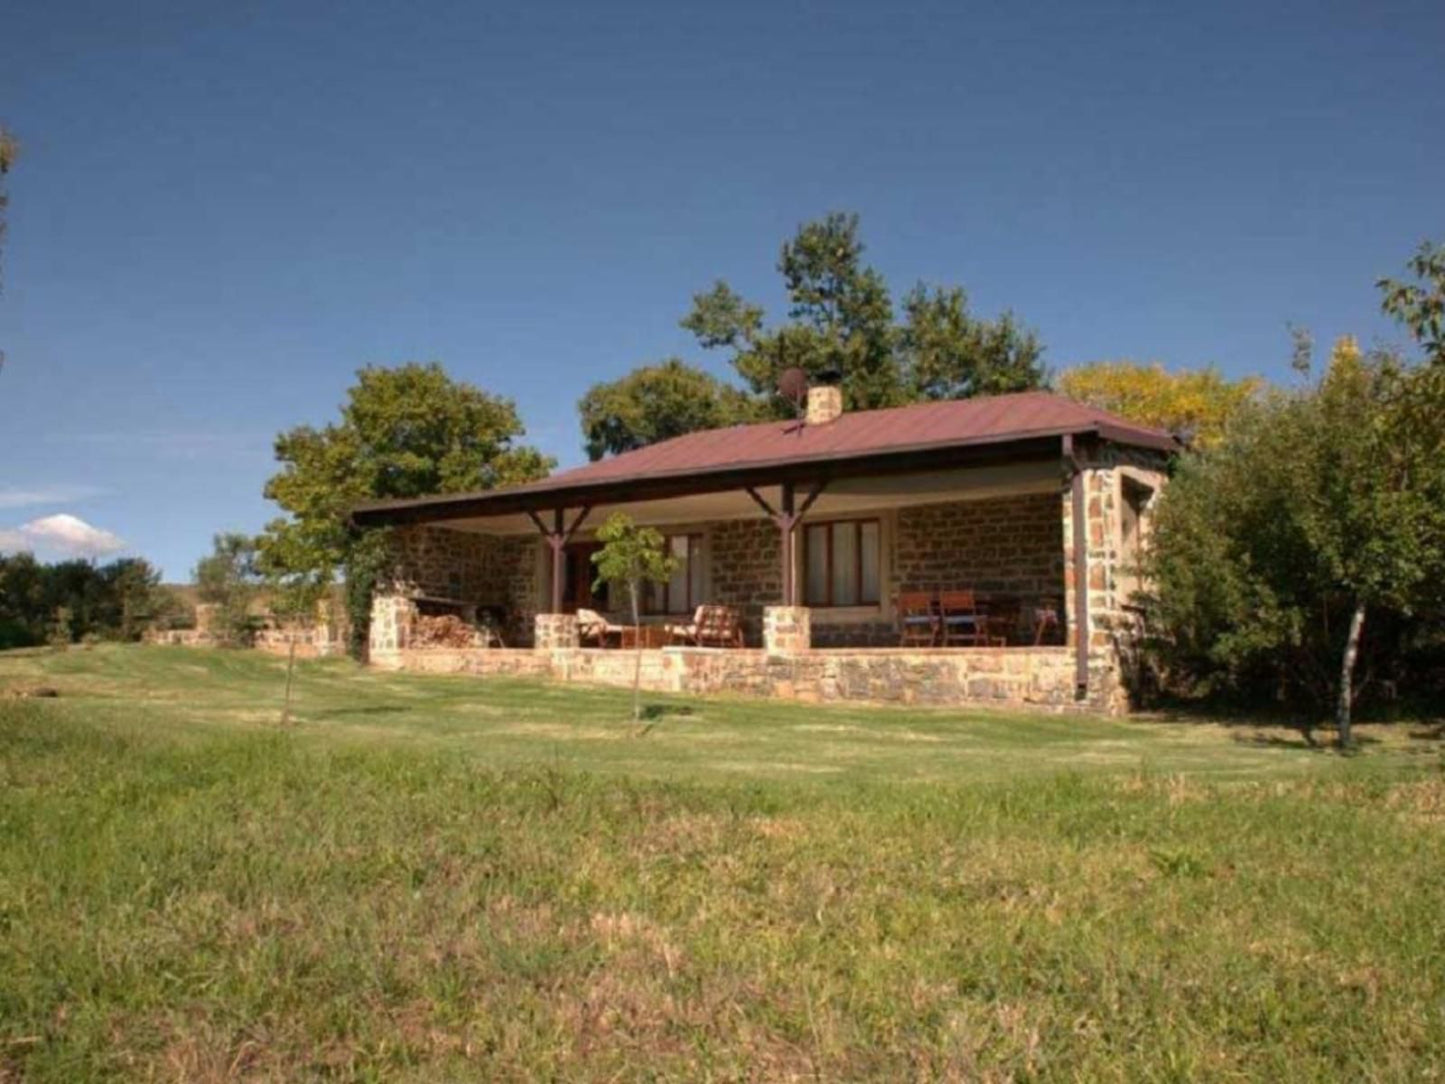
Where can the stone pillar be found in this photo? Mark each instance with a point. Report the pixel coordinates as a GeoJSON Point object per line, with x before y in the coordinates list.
{"type": "Point", "coordinates": [392, 617]}
{"type": "Point", "coordinates": [787, 630]}
{"type": "Point", "coordinates": [1103, 627]}
{"type": "Point", "coordinates": [555, 632]}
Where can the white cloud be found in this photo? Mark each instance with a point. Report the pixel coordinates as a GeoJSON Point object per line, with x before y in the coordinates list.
{"type": "Point", "coordinates": [24, 498]}
{"type": "Point", "coordinates": [61, 534]}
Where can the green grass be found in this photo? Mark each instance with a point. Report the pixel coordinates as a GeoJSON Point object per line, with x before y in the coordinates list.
{"type": "Point", "coordinates": [447, 878]}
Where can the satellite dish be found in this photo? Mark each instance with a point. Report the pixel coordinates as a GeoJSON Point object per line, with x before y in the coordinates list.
{"type": "Point", "coordinates": [793, 386]}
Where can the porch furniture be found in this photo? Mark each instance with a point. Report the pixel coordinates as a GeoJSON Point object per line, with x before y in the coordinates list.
{"type": "Point", "coordinates": [491, 620]}
{"type": "Point", "coordinates": [647, 637]}
{"type": "Point", "coordinates": [1002, 615]}
{"type": "Point", "coordinates": [1046, 616]}
{"type": "Point", "coordinates": [961, 620]}
{"type": "Point", "coordinates": [917, 619]}
{"type": "Point", "coordinates": [593, 629]}
{"type": "Point", "coordinates": [712, 626]}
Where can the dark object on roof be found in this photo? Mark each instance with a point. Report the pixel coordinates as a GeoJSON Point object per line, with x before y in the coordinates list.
{"type": "Point", "coordinates": [793, 386]}
{"type": "Point", "coordinates": [716, 459]}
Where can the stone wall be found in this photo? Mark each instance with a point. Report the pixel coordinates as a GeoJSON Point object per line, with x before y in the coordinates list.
{"type": "Point", "coordinates": [1112, 631]}
{"type": "Point", "coordinates": [1026, 677]}
{"type": "Point", "coordinates": [747, 570]}
{"type": "Point", "coordinates": [482, 570]}
{"type": "Point", "coordinates": [1013, 545]}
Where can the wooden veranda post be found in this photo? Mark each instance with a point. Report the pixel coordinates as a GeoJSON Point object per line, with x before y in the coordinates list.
{"type": "Point", "coordinates": [787, 517]}
{"type": "Point", "coordinates": [557, 538]}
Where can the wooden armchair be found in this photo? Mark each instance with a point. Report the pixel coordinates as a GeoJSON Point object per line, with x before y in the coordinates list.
{"type": "Point", "coordinates": [961, 620]}
{"type": "Point", "coordinates": [917, 619]}
{"type": "Point", "coordinates": [712, 626]}
{"type": "Point", "coordinates": [593, 629]}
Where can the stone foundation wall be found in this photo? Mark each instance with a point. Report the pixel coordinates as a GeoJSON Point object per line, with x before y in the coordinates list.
{"type": "Point", "coordinates": [787, 630]}
{"type": "Point", "coordinates": [482, 570]}
{"type": "Point", "coordinates": [1036, 678]}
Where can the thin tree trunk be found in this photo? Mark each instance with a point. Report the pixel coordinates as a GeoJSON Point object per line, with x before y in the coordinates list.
{"type": "Point", "coordinates": [637, 665]}
{"type": "Point", "coordinates": [290, 669]}
{"type": "Point", "coordinates": [1347, 670]}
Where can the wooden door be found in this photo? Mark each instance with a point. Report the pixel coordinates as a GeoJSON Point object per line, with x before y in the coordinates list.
{"type": "Point", "coordinates": [578, 574]}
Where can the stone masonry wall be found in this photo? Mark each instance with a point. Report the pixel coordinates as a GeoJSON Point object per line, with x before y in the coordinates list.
{"type": "Point", "coordinates": [747, 570]}
{"type": "Point", "coordinates": [485, 570]}
{"type": "Point", "coordinates": [1037, 678]}
{"type": "Point", "coordinates": [1007, 544]}
{"type": "Point", "coordinates": [1112, 629]}
{"type": "Point", "coordinates": [1012, 545]}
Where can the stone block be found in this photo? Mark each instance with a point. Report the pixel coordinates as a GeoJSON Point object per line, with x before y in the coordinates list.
{"type": "Point", "coordinates": [555, 632]}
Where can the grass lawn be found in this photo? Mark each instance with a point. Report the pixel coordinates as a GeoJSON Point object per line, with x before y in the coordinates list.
{"type": "Point", "coordinates": [453, 879]}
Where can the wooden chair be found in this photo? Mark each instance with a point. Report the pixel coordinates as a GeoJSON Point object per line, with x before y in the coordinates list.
{"type": "Point", "coordinates": [961, 620]}
{"type": "Point", "coordinates": [594, 629]}
{"type": "Point", "coordinates": [917, 619]}
{"type": "Point", "coordinates": [712, 626]}
{"type": "Point", "coordinates": [1046, 616]}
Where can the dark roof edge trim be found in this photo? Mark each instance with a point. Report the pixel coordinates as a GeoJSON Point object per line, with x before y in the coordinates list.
{"type": "Point", "coordinates": [555, 493]}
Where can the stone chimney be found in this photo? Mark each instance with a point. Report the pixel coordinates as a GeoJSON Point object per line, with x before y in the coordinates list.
{"type": "Point", "coordinates": [825, 403]}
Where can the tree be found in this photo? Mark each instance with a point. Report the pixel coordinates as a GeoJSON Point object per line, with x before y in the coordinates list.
{"type": "Point", "coordinates": [229, 579]}
{"type": "Point", "coordinates": [840, 320]}
{"type": "Point", "coordinates": [949, 354]}
{"type": "Point", "coordinates": [408, 431]}
{"type": "Point", "coordinates": [630, 557]}
{"type": "Point", "coordinates": [9, 151]}
{"type": "Point", "coordinates": [657, 402]}
{"type": "Point", "coordinates": [294, 599]}
{"type": "Point", "coordinates": [131, 588]}
{"type": "Point", "coordinates": [119, 600]}
{"type": "Point", "coordinates": [1321, 507]}
{"type": "Point", "coordinates": [1198, 403]}
{"type": "Point", "coordinates": [1420, 306]}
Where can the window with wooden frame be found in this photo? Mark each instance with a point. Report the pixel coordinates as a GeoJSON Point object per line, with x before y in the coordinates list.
{"type": "Point", "coordinates": [682, 594]}
{"type": "Point", "coordinates": [842, 563]}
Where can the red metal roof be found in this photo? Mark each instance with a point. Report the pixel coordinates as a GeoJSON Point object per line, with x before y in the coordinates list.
{"type": "Point", "coordinates": [779, 445]}
{"type": "Point", "coordinates": [863, 432]}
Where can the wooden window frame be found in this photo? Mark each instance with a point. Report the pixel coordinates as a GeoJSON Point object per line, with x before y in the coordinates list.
{"type": "Point", "coordinates": [831, 525]}
{"type": "Point", "coordinates": [664, 590]}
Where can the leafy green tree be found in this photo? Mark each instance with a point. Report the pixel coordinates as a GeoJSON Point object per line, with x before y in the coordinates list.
{"type": "Point", "coordinates": [22, 600]}
{"type": "Point", "coordinates": [1420, 305]}
{"type": "Point", "coordinates": [408, 431]}
{"type": "Point", "coordinates": [1196, 402]}
{"type": "Point", "coordinates": [1322, 506]}
{"type": "Point", "coordinates": [62, 631]}
{"type": "Point", "coordinates": [230, 579]}
{"type": "Point", "coordinates": [947, 353]}
{"type": "Point", "coordinates": [657, 402]}
{"type": "Point", "coordinates": [9, 151]}
{"type": "Point", "coordinates": [133, 599]}
{"type": "Point", "coordinates": [840, 319]}
{"type": "Point", "coordinates": [630, 557]}
{"type": "Point", "coordinates": [118, 600]}
{"type": "Point", "coordinates": [295, 600]}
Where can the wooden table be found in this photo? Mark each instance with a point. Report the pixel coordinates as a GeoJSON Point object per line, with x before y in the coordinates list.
{"type": "Point", "coordinates": [645, 636]}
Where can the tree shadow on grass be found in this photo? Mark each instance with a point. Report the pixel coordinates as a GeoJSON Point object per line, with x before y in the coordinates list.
{"type": "Point", "coordinates": [653, 712]}
{"type": "Point", "coordinates": [1325, 743]}
{"type": "Point", "coordinates": [371, 710]}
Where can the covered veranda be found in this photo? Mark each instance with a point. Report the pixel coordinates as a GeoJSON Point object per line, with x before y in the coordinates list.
{"type": "Point", "coordinates": [840, 564]}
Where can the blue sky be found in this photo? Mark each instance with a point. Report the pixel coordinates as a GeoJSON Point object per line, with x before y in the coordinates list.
{"type": "Point", "coordinates": [223, 210]}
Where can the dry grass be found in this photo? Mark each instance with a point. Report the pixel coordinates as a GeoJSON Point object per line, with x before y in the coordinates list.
{"type": "Point", "coordinates": [189, 893]}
